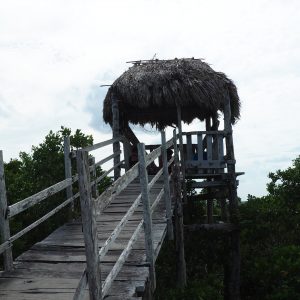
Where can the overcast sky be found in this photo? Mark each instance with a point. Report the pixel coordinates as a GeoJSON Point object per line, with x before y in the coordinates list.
{"type": "Point", "coordinates": [54, 55]}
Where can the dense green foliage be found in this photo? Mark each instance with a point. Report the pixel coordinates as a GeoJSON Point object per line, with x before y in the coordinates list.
{"type": "Point", "coordinates": [35, 171]}
{"type": "Point", "coordinates": [270, 248]}
{"type": "Point", "coordinates": [270, 239]}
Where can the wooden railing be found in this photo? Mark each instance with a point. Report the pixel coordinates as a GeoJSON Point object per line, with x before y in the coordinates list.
{"type": "Point", "coordinates": [207, 152]}
{"type": "Point", "coordinates": [91, 206]}
{"type": "Point", "coordinates": [9, 211]}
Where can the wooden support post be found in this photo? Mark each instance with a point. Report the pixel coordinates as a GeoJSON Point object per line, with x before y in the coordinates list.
{"type": "Point", "coordinates": [182, 159]}
{"type": "Point", "coordinates": [176, 158]}
{"type": "Point", "coordinates": [147, 214]}
{"type": "Point", "coordinates": [209, 203]}
{"type": "Point", "coordinates": [4, 221]}
{"type": "Point", "coordinates": [116, 134]}
{"type": "Point", "coordinates": [127, 153]}
{"type": "Point", "coordinates": [179, 238]}
{"type": "Point", "coordinates": [167, 195]}
{"type": "Point", "coordinates": [88, 216]}
{"type": "Point", "coordinates": [95, 192]}
{"type": "Point", "coordinates": [232, 282]}
{"type": "Point", "coordinates": [68, 173]}
{"type": "Point", "coordinates": [189, 148]}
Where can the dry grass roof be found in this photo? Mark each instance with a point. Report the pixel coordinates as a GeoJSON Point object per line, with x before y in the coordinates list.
{"type": "Point", "coordinates": [149, 91]}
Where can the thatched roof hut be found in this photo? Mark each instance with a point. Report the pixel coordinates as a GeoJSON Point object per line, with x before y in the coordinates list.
{"type": "Point", "coordinates": [150, 91]}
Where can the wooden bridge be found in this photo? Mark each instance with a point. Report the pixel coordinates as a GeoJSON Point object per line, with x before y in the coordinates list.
{"type": "Point", "coordinates": [111, 251]}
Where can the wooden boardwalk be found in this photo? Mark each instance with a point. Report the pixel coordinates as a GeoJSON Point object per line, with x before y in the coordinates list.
{"type": "Point", "coordinates": [52, 268]}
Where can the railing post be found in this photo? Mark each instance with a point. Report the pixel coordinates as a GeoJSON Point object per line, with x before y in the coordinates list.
{"type": "Point", "coordinates": [179, 238]}
{"type": "Point", "coordinates": [68, 172]}
{"type": "Point", "coordinates": [4, 221]}
{"type": "Point", "coordinates": [182, 158]}
{"type": "Point", "coordinates": [167, 186]}
{"type": "Point", "coordinates": [232, 278]}
{"type": "Point", "coordinates": [88, 216]}
{"type": "Point", "coordinates": [176, 158]}
{"type": "Point", "coordinates": [147, 214]}
{"type": "Point", "coordinates": [127, 153]}
{"type": "Point", "coordinates": [116, 134]}
{"type": "Point", "coordinates": [95, 192]}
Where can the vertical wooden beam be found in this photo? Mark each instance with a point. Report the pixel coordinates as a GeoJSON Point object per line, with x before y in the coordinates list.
{"type": "Point", "coordinates": [147, 214]}
{"type": "Point", "coordinates": [88, 216]}
{"type": "Point", "coordinates": [215, 127]}
{"type": "Point", "coordinates": [179, 238]}
{"type": "Point", "coordinates": [95, 192]}
{"type": "Point", "coordinates": [189, 149]}
{"type": "Point", "coordinates": [116, 133]}
{"type": "Point", "coordinates": [4, 221]}
{"type": "Point", "coordinates": [232, 282]}
{"type": "Point", "coordinates": [176, 158]}
{"type": "Point", "coordinates": [200, 147]}
{"type": "Point", "coordinates": [167, 186]}
{"type": "Point", "coordinates": [209, 147]}
{"type": "Point", "coordinates": [68, 173]}
{"type": "Point", "coordinates": [181, 152]}
{"type": "Point", "coordinates": [127, 153]}
{"type": "Point", "coordinates": [209, 202]}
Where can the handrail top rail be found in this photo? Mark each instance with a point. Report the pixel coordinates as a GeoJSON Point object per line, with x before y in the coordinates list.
{"type": "Point", "coordinates": [217, 132]}
{"type": "Point", "coordinates": [102, 144]}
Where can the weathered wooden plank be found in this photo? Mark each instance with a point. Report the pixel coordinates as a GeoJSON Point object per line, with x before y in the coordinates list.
{"type": "Point", "coordinates": [182, 158]}
{"type": "Point", "coordinates": [215, 164]}
{"type": "Point", "coordinates": [221, 132]}
{"type": "Point", "coordinates": [199, 146]}
{"type": "Point", "coordinates": [189, 150]}
{"type": "Point", "coordinates": [167, 193]}
{"type": "Point", "coordinates": [207, 184]}
{"type": "Point", "coordinates": [38, 197]}
{"type": "Point", "coordinates": [4, 221]}
{"type": "Point", "coordinates": [179, 236]}
{"type": "Point", "coordinates": [89, 226]}
{"type": "Point", "coordinates": [80, 292]}
{"type": "Point", "coordinates": [102, 144]}
{"type": "Point", "coordinates": [116, 134]}
{"type": "Point", "coordinates": [127, 153]}
{"type": "Point", "coordinates": [146, 214]}
{"type": "Point", "coordinates": [68, 172]}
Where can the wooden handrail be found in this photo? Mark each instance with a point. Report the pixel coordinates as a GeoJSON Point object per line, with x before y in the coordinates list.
{"type": "Point", "coordinates": [102, 144]}
{"type": "Point", "coordinates": [38, 197]}
{"type": "Point", "coordinates": [8, 243]}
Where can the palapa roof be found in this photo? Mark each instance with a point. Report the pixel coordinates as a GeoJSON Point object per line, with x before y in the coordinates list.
{"type": "Point", "coordinates": [149, 91]}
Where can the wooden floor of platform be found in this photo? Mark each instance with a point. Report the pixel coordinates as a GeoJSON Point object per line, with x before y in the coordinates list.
{"type": "Point", "coordinates": [51, 269]}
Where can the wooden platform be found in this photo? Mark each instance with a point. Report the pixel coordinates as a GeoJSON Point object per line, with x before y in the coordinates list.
{"type": "Point", "coordinates": [51, 269]}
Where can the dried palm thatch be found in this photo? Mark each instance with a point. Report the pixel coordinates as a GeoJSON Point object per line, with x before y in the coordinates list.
{"type": "Point", "coordinates": [149, 91]}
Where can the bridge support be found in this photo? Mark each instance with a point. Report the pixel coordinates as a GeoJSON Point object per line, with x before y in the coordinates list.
{"type": "Point", "coordinates": [116, 134]}
{"type": "Point", "coordinates": [68, 173]}
{"type": "Point", "coordinates": [4, 221]}
{"type": "Point", "coordinates": [167, 194]}
{"type": "Point", "coordinates": [147, 215]}
{"type": "Point", "coordinates": [178, 215]}
{"type": "Point", "coordinates": [88, 215]}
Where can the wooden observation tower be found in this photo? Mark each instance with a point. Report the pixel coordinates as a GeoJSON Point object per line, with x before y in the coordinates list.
{"type": "Point", "coordinates": [166, 93]}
